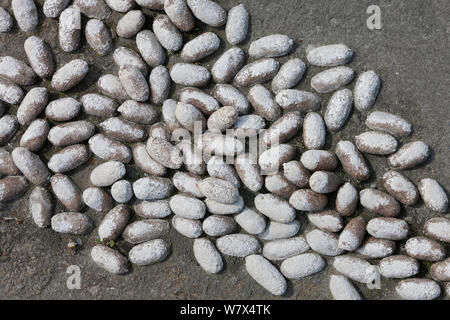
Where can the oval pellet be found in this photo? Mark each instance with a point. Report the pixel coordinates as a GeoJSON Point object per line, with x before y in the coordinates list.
{"type": "Point", "coordinates": [123, 56]}
{"type": "Point", "coordinates": [249, 125]}
{"type": "Point", "coordinates": [69, 75]}
{"type": "Point", "coordinates": [222, 119]}
{"type": "Point", "coordinates": [400, 187]}
{"type": "Point", "coordinates": [352, 160]}
{"type": "Point", "coordinates": [399, 267]}
{"type": "Point", "coordinates": [32, 105]}
{"type": "Point", "coordinates": [346, 199]}
{"type": "Point", "coordinates": [374, 248]}
{"type": "Point", "coordinates": [192, 158]}
{"type": "Point", "coordinates": [379, 202]}
{"type": "Point", "coordinates": [70, 133]}
{"type": "Point", "coordinates": [165, 153]}
{"type": "Point", "coordinates": [290, 74]}
{"type": "Point", "coordinates": [200, 47]}
{"type": "Point", "coordinates": [186, 182]}
{"type": "Point", "coordinates": [74, 223]}
{"type": "Point", "coordinates": [63, 109]}
{"type": "Point", "coordinates": [366, 90]}
{"type": "Point", "coordinates": [376, 143]}
{"type": "Point", "coordinates": [53, 8]}
{"type": "Point", "coordinates": [257, 72]}
{"type": "Point", "coordinates": [190, 117]}
{"type": "Point", "coordinates": [16, 71]}
{"type": "Point", "coordinates": [12, 187]}
{"type": "Point", "coordinates": [105, 174]}
{"type": "Point", "coordinates": [109, 259]}
{"type": "Point", "coordinates": [272, 46]}
{"type": "Point", "coordinates": [111, 86]}
{"type": "Point", "coordinates": [208, 12]}
{"type": "Point", "coordinates": [207, 256]}
{"type": "Point", "coordinates": [145, 230]}
{"type": "Point", "coordinates": [283, 129]}
{"type": "Point", "coordinates": [418, 289]}
{"type": "Point", "coordinates": [338, 109]}
{"type": "Point", "coordinates": [97, 199]}
{"type": "Point", "coordinates": [218, 168]}
{"type": "Point", "coordinates": [433, 195]}
{"type": "Point", "coordinates": [238, 245]}
{"type": "Point", "coordinates": [7, 166]}
{"type": "Point", "coordinates": [296, 173]}
{"type": "Point", "coordinates": [218, 226]}
{"type": "Point", "coordinates": [216, 207]}
{"type": "Point", "coordinates": [314, 131]}
{"type": "Point", "coordinates": [250, 221]}
{"type": "Point", "coordinates": [39, 56]}
{"type": "Point", "coordinates": [279, 185]}
{"type": "Point", "coordinates": [151, 4]}
{"type": "Point", "coordinates": [31, 166]}
{"type": "Point", "coordinates": [167, 33]}
{"type": "Point", "coordinates": [342, 289]}
{"type": "Point", "coordinates": [149, 47]}
{"type": "Point", "coordinates": [146, 163]}
{"type": "Point", "coordinates": [308, 200]}
{"type": "Point", "coordinates": [189, 228]}
{"type": "Point", "coordinates": [388, 228]}
{"type": "Point", "coordinates": [157, 209]}
{"type": "Point", "coordinates": [324, 243]}
{"type": "Point", "coordinates": [98, 37]}
{"type": "Point", "coordinates": [26, 14]}
{"type": "Point", "coordinates": [113, 223]}
{"type": "Point", "coordinates": [441, 271]}
{"type": "Point", "coordinates": [355, 268]}
{"type": "Point", "coordinates": [296, 100]}
{"type": "Point", "coordinates": [302, 266]}
{"type": "Point", "coordinates": [67, 192]}
{"type": "Point", "coordinates": [390, 123]}
{"type": "Point", "coordinates": [137, 112]}
{"type": "Point", "coordinates": [179, 14]}
{"type": "Point", "coordinates": [10, 92]}
{"type": "Point", "coordinates": [332, 79]}
{"type": "Point", "coordinates": [270, 160]}
{"type": "Point", "coordinates": [97, 9]}
{"type": "Point", "coordinates": [9, 126]}
{"type": "Point", "coordinates": [353, 234]}
{"type": "Point", "coordinates": [187, 207]}
{"type": "Point", "coordinates": [199, 99]}
{"type": "Point", "coordinates": [266, 274]}
{"type": "Point", "coordinates": [315, 160]}
{"type": "Point", "coordinates": [134, 83]}
{"type": "Point", "coordinates": [98, 105]}
{"type": "Point", "coordinates": [236, 29]}
{"type": "Point", "coordinates": [159, 82]}
{"type": "Point", "coordinates": [123, 130]}
{"type": "Point", "coordinates": [6, 21]}
{"type": "Point", "coordinates": [228, 95]}
{"type": "Point", "coordinates": [426, 249]}
{"type": "Point", "coordinates": [410, 155]}
{"type": "Point", "coordinates": [438, 228]}
{"type": "Point", "coordinates": [277, 230]}
{"type": "Point", "coordinates": [219, 190]}
{"type": "Point", "coordinates": [228, 65]}
{"type": "Point", "coordinates": [130, 24]}
{"type": "Point", "coordinates": [328, 221]}
{"type": "Point", "coordinates": [122, 191]}
{"type": "Point", "coordinates": [330, 55]}
{"type": "Point", "coordinates": [275, 208]}
{"type": "Point", "coordinates": [69, 158]}
{"type": "Point", "coordinates": [190, 75]}
{"type": "Point", "coordinates": [41, 207]}
{"type": "Point", "coordinates": [150, 252]}
{"type": "Point", "coordinates": [278, 250]}
{"type": "Point", "coordinates": [109, 149]}
{"type": "Point", "coordinates": [69, 32]}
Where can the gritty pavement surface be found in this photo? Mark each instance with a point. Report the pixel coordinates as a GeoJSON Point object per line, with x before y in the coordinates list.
{"type": "Point", "coordinates": [411, 54]}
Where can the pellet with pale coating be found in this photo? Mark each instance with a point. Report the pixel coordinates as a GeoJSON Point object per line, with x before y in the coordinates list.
{"type": "Point", "coordinates": [274, 207]}
{"type": "Point", "coordinates": [150, 252]}
{"type": "Point", "coordinates": [425, 249]}
{"type": "Point", "coordinates": [167, 33]}
{"type": "Point", "coordinates": [222, 119]}
{"type": "Point", "coordinates": [409, 156]}
{"type": "Point", "coordinates": [283, 129]}
{"type": "Point", "coordinates": [379, 202]}
{"type": "Point", "coordinates": [130, 24]}
{"type": "Point", "coordinates": [122, 191]}
{"type": "Point", "coordinates": [187, 206]}
{"type": "Point", "coordinates": [277, 230]}
{"type": "Point", "coordinates": [441, 271]}
{"type": "Point", "coordinates": [342, 289]}
{"type": "Point", "coordinates": [53, 8]}
{"type": "Point", "coordinates": [266, 274]}
{"type": "Point", "coordinates": [63, 109]}
{"type": "Point", "coordinates": [390, 123]}
{"type": "Point", "coordinates": [249, 125]}
{"type": "Point", "coordinates": [400, 187]}
{"type": "Point", "coordinates": [186, 182]}
{"type": "Point", "coordinates": [208, 12]}
{"type": "Point", "coordinates": [10, 92]}
{"type": "Point", "coordinates": [433, 195]}
{"type": "Point", "coordinates": [296, 100]}
{"type": "Point", "coordinates": [218, 168]}
{"type": "Point", "coordinates": [134, 83]}
{"type": "Point", "coordinates": [69, 158]}
{"type": "Point", "coordinates": [302, 266]}
{"type": "Point", "coordinates": [187, 74]}
{"type": "Point", "coordinates": [7, 166]}
{"type": "Point", "coordinates": [6, 21]}
{"type": "Point", "coordinates": [279, 185]}
{"type": "Point", "coordinates": [200, 47]}
{"type": "Point", "coordinates": [39, 56]}
{"type": "Point", "coordinates": [73, 223]}
{"type": "Point", "coordinates": [70, 133]}
{"type": "Point", "coordinates": [165, 153]}
{"type": "Point", "coordinates": [123, 56]}
{"type": "Point", "coordinates": [257, 72]}
{"type": "Point", "coordinates": [324, 243]}
{"type": "Point", "coordinates": [330, 55]}
{"type": "Point", "coordinates": [207, 256]}
{"type": "Point", "coordinates": [355, 268]}
{"type": "Point", "coordinates": [105, 174]}
{"type": "Point", "coordinates": [31, 166]}
{"type": "Point", "coordinates": [16, 71]}
{"type": "Point", "coordinates": [346, 199]}
{"type": "Point", "coordinates": [388, 228]}
{"type": "Point", "coordinates": [238, 245]}
{"type": "Point", "coordinates": [98, 37]}
{"type": "Point", "coordinates": [328, 221]}
{"type": "Point", "coordinates": [93, 8]}
{"type": "Point", "coordinates": [199, 99]}
{"type": "Point", "coordinates": [189, 116]}
{"type": "Point", "coordinates": [366, 90]}
{"type": "Point", "coordinates": [374, 248]}
{"type": "Point", "coordinates": [25, 13]}
{"type": "Point", "coordinates": [179, 14]}
{"type": "Point", "coordinates": [41, 207]}
{"type": "Point", "coordinates": [109, 149]}
{"type": "Point", "coordinates": [151, 4]}
{"type": "Point", "coordinates": [282, 249]}
{"type": "Point", "coordinates": [67, 192]}
{"type": "Point", "coordinates": [123, 130]}
{"type": "Point", "coordinates": [353, 234]}
{"type": "Point", "coordinates": [228, 65]}
{"type": "Point", "coordinates": [219, 190]}
{"type": "Point", "coordinates": [308, 200]}
{"type": "Point", "coordinates": [237, 26]}
{"type": "Point", "coordinates": [296, 173]}
{"type": "Point", "coordinates": [315, 160]}
{"type": "Point", "coordinates": [189, 228]}
{"type": "Point", "coordinates": [111, 86]}
{"type": "Point", "coordinates": [352, 160]}
{"type": "Point", "coordinates": [275, 45]}
{"type": "Point", "coordinates": [146, 163]}
{"type": "Point", "coordinates": [109, 259]}
{"type": "Point", "coordinates": [228, 95]}
{"type": "Point", "coordinates": [399, 267]}
{"type": "Point", "coordinates": [159, 82]}
{"type": "Point", "coordinates": [338, 109]}
{"type": "Point", "coordinates": [12, 187]}
{"type": "Point", "coordinates": [250, 221]}
{"type": "Point", "coordinates": [290, 74]}
{"type": "Point", "coordinates": [332, 79]}
{"type": "Point", "coordinates": [138, 112]}
{"type": "Point", "coordinates": [156, 209]}
{"type": "Point", "coordinates": [98, 199]}
{"type": "Point", "coordinates": [218, 225]}
{"type": "Point", "coordinates": [69, 75]}
{"type": "Point", "coordinates": [98, 105]}
{"type": "Point", "coordinates": [192, 158]}
{"type": "Point", "coordinates": [9, 126]}
{"type": "Point", "coordinates": [145, 230]}
{"type": "Point", "coordinates": [32, 105]}
{"type": "Point", "coordinates": [376, 143]}
{"type": "Point", "coordinates": [219, 208]}
{"type": "Point", "coordinates": [418, 289]}
{"type": "Point", "coordinates": [69, 31]}
{"type": "Point", "coordinates": [271, 160]}
{"type": "Point", "coordinates": [438, 228]}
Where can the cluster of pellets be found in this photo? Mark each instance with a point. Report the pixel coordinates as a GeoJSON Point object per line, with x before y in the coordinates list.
{"type": "Point", "coordinates": [192, 182]}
